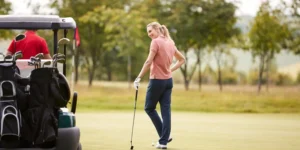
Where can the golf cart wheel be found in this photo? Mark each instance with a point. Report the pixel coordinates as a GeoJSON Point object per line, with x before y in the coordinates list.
{"type": "Point", "coordinates": [79, 147]}
{"type": "Point", "coordinates": [74, 103]}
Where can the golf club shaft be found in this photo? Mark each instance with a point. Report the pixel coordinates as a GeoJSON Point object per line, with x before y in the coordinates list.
{"type": "Point", "coordinates": [136, 94]}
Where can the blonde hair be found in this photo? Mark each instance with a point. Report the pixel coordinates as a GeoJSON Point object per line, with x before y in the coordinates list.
{"type": "Point", "coordinates": [161, 28]}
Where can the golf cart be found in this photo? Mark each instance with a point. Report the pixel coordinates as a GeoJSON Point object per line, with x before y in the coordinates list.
{"type": "Point", "coordinates": [26, 78]}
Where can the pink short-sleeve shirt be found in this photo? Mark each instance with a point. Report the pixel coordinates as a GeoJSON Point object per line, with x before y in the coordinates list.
{"type": "Point", "coordinates": [164, 50]}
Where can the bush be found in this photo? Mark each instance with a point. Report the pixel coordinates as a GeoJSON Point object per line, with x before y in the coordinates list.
{"type": "Point", "coordinates": [230, 78]}
{"type": "Point", "coordinates": [284, 79]}
{"type": "Point", "coordinates": [298, 78]}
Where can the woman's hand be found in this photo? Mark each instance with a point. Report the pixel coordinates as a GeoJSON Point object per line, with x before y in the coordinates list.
{"type": "Point", "coordinates": [136, 83]}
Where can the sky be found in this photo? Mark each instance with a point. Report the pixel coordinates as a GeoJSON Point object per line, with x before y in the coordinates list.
{"type": "Point", "coordinates": [250, 7]}
{"type": "Point", "coordinates": [245, 7]}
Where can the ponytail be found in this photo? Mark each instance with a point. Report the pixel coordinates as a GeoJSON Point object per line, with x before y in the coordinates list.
{"type": "Point", "coordinates": [165, 32]}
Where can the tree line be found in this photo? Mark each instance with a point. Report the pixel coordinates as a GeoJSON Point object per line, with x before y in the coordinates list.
{"type": "Point", "coordinates": [114, 42]}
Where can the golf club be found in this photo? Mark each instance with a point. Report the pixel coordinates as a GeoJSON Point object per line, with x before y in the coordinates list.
{"type": "Point", "coordinates": [63, 41]}
{"type": "Point", "coordinates": [7, 57]}
{"type": "Point", "coordinates": [58, 60]}
{"type": "Point", "coordinates": [2, 55]}
{"type": "Point", "coordinates": [58, 55]}
{"type": "Point", "coordinates": [34, 61]}
{"type": "Point", "coordinates": [17, 55]}
{"type": "Point", "coordinates": [39, 55]}
{"type": "Point", "coordinates": [47, 63]}
{"type": "Point", "coordinates": [136, 94]}
{"type": "Point", "coordinates": [30, 63]}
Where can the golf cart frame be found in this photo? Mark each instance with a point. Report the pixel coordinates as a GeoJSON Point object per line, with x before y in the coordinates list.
{"type": "Point", "coordinates": [68, 134]}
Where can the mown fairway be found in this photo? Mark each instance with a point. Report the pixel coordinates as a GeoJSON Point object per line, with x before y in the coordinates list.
{"type": "Point", "coordinates": [236, 119]}
{"type": "Point", "coordinates": [111, 130]}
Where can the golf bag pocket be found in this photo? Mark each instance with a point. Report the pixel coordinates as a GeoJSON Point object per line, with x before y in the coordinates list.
{"type": "Point", "coordinates": [48, 128]}
{"type": "Point", "coordinates": [42, 125]}
{"type": "Point", "coordinates": [10, 117]}
{"type": "Point", "coordinates": [8, 70]}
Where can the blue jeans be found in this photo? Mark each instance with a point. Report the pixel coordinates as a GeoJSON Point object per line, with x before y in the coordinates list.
{"type": "Point", "coordinates": [160, 91]}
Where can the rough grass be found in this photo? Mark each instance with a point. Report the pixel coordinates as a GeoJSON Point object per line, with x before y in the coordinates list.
{"type": "Point", "coordinates": [238, 99]}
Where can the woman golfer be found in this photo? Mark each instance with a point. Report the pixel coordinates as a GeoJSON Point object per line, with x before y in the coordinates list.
{"type": "Point", "coordinates": [159, 61]}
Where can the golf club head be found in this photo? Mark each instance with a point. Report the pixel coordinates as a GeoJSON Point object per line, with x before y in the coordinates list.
{"type": "Point", "coordinates": [7, 57]}
{"type": "Point", "coordinates": [63, 41]}
{"type": "Point", "coordinates": [2, 55]}
{"type": "Point", "coordinates": [39, 55]}
{"type": "Point", "coordinates": [61, 57]}
{"type": "Point", "coordinates": [18, 52]}
{"type": "Point", "coordinates": [58, 55]}
{"type": "Point", "coordinates": [60, 60]}
{"type": "Point", "coordinates": [30, 63]}
{"type": "Point", "coordinates": [47, 63]}
{"type": "Point", "coordinates": [18, 55]}
{"type": "Point", "coordinates": [19, 37]}
{"type": "Point", "coordinates": [54, 56]}
{"type": "Point", "coordinates": [34, 59]}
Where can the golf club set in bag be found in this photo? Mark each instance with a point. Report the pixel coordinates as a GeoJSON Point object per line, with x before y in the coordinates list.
{"type": "Point", "coordinates": [29, 107]}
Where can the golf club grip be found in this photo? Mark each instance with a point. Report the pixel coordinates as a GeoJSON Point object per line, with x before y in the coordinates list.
{"type": "Point", "coordinates": [136, 93]}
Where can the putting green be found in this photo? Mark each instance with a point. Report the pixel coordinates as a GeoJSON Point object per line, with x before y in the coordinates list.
{"type": "Point", "coordinates": [191, 131]}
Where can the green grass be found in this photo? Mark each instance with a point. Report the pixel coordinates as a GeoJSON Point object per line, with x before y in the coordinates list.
{"type": "Point", "coordinates": [241, 119]}
{"type": "Point", "coordinates": [104, 96]}
{"type": "Point", "coordinates": [111, 130]}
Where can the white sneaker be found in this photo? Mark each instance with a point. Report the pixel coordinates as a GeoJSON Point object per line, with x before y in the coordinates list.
{"type": "Point", "coordinates": [169, 140]}
{"type": "Point", "coordinates": [160, 146]}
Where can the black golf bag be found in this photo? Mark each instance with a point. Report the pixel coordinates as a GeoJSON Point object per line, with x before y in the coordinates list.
{"type": "Point", "coordinates": [9, 112]}
{"type": "Point", "coordinates": [41, 117]}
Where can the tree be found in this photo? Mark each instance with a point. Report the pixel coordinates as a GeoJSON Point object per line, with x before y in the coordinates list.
{"type": "Point", "coordinates": [93, 36]}
{"type": "Point", "coordinates": [266, 35]}
{"type": "Point", "coordinates": [194, 25]}
{"type": "Point", "coordinates": [123, 31]}
{"type": "Point", "coordinates": [294, 24]}
{"type": "Point", "coordinates": [222, 30]}
{"type": "Point", "coordinates": [298, 78]}
{"type": "Point", "coordinates": [5, 8]}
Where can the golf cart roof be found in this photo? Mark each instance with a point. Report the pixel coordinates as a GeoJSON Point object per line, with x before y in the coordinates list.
{"type": "Point", "coordinates": [36, 22]}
